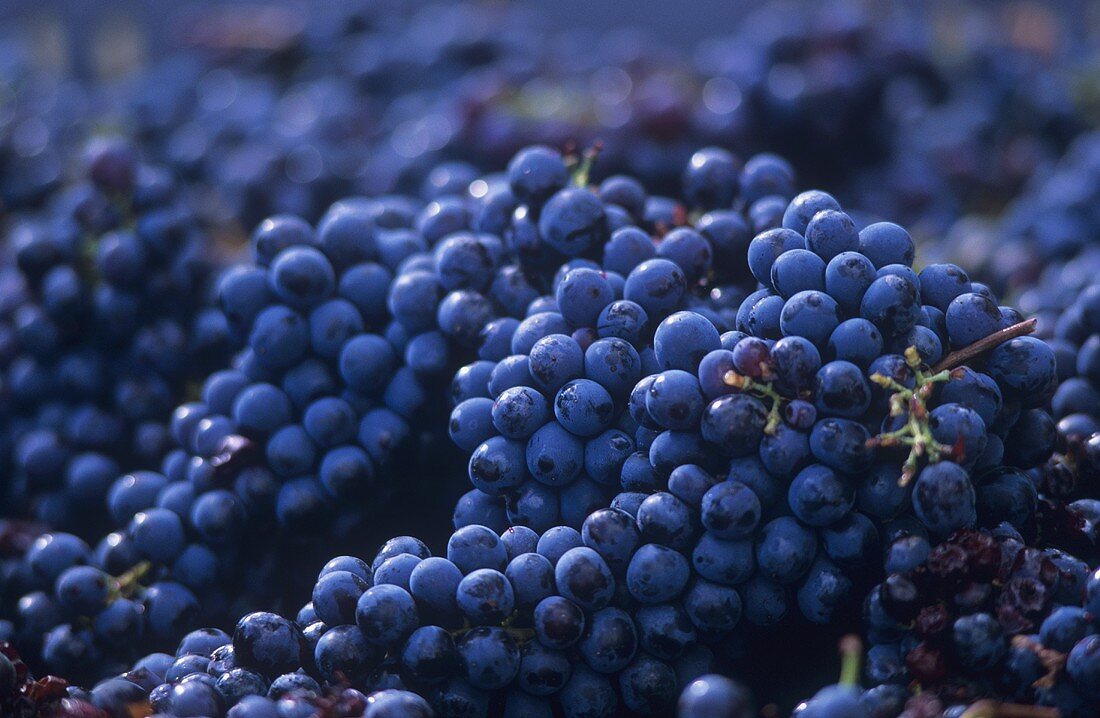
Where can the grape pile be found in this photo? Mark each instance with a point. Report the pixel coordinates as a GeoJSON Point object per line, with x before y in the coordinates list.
{"type": "Point", "coordinates": [660, 411]}
{"type": "Point", "coordinates": [545, 566]}
{"type": "Point", "coordinates": [105, 319]}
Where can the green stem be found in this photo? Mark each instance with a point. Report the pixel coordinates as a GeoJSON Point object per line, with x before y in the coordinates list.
{"type": "Point", "coordinates": [583, 169]}
{"type": "Point", "coordinates": [851, 655]}
{"type": "Point", "coordinates": [127, 583]}
{"type": "Point", "coordinates": [761, 390]}
{"type": "Point", "coordinates": [916, 433]}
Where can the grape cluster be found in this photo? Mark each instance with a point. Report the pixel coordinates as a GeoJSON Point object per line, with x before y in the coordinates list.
{"type": "Point", "coordinates": [815, 404]}
{"type": "Point", "coordinates": [854, 329]}
{"type": "Point", "coordinates": [1044, 251]}
{"type": "Point", "coordinates": [544, 411]}
{"type": "Point", "coordinates": [296, 437]}
{"type": "Point", "coordinates": [1071, 475]}
{"type": "Point", "coordinates": [511, 624]}
{"type": "Point", "coordinates": [262, 670]}
{"type": "Point", "coordinates": [104, 320]}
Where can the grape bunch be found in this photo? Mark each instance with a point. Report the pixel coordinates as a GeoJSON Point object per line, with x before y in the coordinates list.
{"type": "Point", "coordinates": [826, 401]}
{"type": "Point", "coordinates": [509, 624]}
{"type": "Point", "coordinates": [776, 448]}
{"type": "Point", "coordinates": [1074, 338]}
{"type": "Point", "coordinates": [1047, 255]}
{"type": "Point", "coordinates": [295, 437]}
{"type": "Point", "coordinates": [1072, 473]}
{"type": "Point", "coordinates": [543, 412]}
{"type": "Point", "coordinates": [104, 321]}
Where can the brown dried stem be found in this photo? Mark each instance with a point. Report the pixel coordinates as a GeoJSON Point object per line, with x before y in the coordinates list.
{"type": "Point", "coordinates": [961, 356]}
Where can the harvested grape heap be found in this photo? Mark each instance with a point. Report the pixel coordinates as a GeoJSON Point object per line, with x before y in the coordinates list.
{"type": "Point", "coordinates": [685, 419]}
{"type": "Point", "coordinates": [666, 423]}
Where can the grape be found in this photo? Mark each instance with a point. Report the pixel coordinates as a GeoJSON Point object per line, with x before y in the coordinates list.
{"type": "Point", "coordinates": [683, 339]}
{"type": "Point", "coordinates": [943, 498]}
{"type": "Point", "coordinates": [711, 178]}
{"type": "Point", "coordinates": [730, 510]}
{"type": "Point", "coordinates": [831, 232]}
{"type": "Point", "coordinates": [1082, 666]}
{"type": "Point", "coordinates": [803, 208]}
{"type": "Point", "coordinates": [857, 341]}
{"type": "Point", "coordinates": [810, 314]}
{"type": "Point", "coordinates": [690, 250]}
{"type": "Point", "coordinates": [536, 173]}
{"type": "Point", "coordinates": [785, 550]}
{"type": "Point", "coordinates": [583, 407]}
{"type": "Point", "coordinates": [517, 412]}
{"type": "Point", "coordinates": [971, 317]}
{"type": "Point", "coordinates": [656, 285]}
{"type": "Point", "coordinates": [891, 303]}
{"type": "Point", "coordinates": [555, 541]}
{"type": "Point", "coordinates": [797, 270]}
{"type": "Point", "coordinates": [818, 497]}
{"type": "Point", "coordinates": [886, 243]}
{"type": "Point", "coordinates": [581, 295]}
{"type": "Point", "coordinates": [1025, 367]}
{"type": "Point", "coordinates": [841, 390]}
{"type": "Point", "coordinates": [941, 283]}
{"type": "Point", "coordinates": [573, 221]}
{"type": "Point", "coordinates": [714, 696]}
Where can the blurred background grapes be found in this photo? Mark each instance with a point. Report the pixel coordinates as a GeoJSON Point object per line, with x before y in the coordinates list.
{"type": "Point", "coordinates": [918, 111]}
